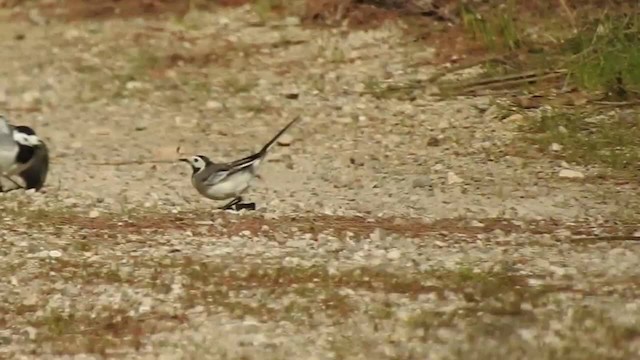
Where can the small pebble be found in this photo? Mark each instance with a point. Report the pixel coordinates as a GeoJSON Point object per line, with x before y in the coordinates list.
{"type": "Point", "coordinates": [357, 160]}
{"type": "Point", "coordinates": [421, 182]}
{"type": "Point", "coordinates": [514, 118]}
{"type": "Point", "coordinates": [433, 141]}
{"type": "Point", "coordinates": [30, 332]}
{"type": "Point", "coordinates": [570, 174]}
{"type": "Point", "coordinates": [285, 140]}
{"type": "Point", "coordinates": [444, 124]}
{"type": "Point", "coordinates": [394, 254]}
{"type": "Point", "coordinates": [452, 178]}
{"type": "Point", "coordinates": [214, 105]}
{"type": "Point", "coordinates": [555, 147]}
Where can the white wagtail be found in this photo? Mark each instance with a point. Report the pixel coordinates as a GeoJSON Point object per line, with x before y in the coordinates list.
{"type": "Point", "coordinates": [221, 181]}
{"type": "Point", "coordinates": [22, 153]}
{"type": "Point", "coordinates": [35, 175]}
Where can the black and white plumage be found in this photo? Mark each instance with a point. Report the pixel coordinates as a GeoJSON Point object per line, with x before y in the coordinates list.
{"type": "Point", "coordinates": [22, 153]}
{"type": "Point", "coordinates": [221, 181]}
{"type": "Point", "coordinates": [35, 175]}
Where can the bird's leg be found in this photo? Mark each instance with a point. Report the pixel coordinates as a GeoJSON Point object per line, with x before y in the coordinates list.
{"type": "Point", "coordinates": [15, 183]}
{"type": "Point", "coordinates": [231, 203]}
{"type": "Point", "coordinates": [18, 186]}
{"type": "Point", "coordinates": [10, 190]}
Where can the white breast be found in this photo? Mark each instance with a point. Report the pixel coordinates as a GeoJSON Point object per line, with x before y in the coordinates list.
{"type": "Point", "coordinates": [230, 187]}
{"type": "Point", "coordinates": [8, 152]}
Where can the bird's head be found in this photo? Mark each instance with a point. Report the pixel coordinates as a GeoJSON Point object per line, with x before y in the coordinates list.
{"type": "Point", "coordinates": [25, 135]}
{"type": "Point", "coordinates": [197, 162]}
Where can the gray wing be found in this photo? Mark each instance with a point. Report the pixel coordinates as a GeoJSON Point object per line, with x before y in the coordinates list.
{"type": "Point", "coordinates": [8, 147]}
{"type": "Point", "coordinates": [216, 173]}
{"type": "Point", "coordinates": [5, 127]}
{"type": "Point", "coordinates": [211, 174]}
{"type": "Point", "coordinates": [214, 177]}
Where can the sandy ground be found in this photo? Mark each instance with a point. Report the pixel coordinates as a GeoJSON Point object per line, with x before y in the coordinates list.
{"type": "Point", "coordinates": [388, 227]}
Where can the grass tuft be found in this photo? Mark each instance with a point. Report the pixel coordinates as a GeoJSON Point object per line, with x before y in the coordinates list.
{"type": "Point", "coordinates": [498, 30]}
{"type": "Point", "coordinates": [609, 141]}
{"type": "Point", "coordinates": [605, 55]}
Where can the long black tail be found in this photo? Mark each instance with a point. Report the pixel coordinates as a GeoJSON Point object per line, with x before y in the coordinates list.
{"type": "Point", "coordinates": [263, 152]}
{"type": "Point", "coordinates": [268, 145]}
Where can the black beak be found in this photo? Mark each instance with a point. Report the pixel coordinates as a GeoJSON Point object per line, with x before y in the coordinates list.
{"type": "Point", "coordinates": [184, 160]}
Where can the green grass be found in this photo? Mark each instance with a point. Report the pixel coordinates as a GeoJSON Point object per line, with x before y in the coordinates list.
{"type": "Point", "coordinates": [498, 30]}
{"type": "Point", "coordinates": [602, 61]}
{"type": "Point", "coordinates": [265, 8]}
{"type": "Point", "coordinates": [141, 62]}
{"type": "Point", "coordinates": [605, 55]}
{"type": "Point", "coordinates": [602, 54]}
{"type": "Point", "coordinates": [609, 141]}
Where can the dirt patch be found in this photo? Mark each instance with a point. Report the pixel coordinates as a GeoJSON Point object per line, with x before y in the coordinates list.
{"type": "Point", "coordinates": [120, 253]}
{"type": "Point", "coordinates": [439, 24]}
{"type": "Point", "coordinates": [77, 10]}
{"type": "Point", "coordinates": [353, 13]}
{"type": "Point", "coordinates": [225, 224]}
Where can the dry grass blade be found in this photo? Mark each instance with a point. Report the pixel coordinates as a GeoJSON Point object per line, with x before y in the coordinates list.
{"type": "Point", "coordinates": [501, 82]}
{"type": "Point", "coordinates": [132, 162]}
{"type": "Point", "coordinates": [28, 109]}
{"type": "Point", "coordinates": [616, 103]}
{"type": "Point", "coordinates": [570, 15]}
{"type": "Point", "coordinates": [607, 238]}
{"type": "Point", "coordinates": [466, 65]}
{"type": "Point", "coordinates": [513, 78]}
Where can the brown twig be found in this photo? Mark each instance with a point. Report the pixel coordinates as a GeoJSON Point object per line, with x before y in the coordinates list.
{"type": "Point", "coordinates": [505, 79]}
{"type": "Point", "coordinates": [465, 65]}
{"type": "Point", "coordinates": [570, 15]}
{"type": "Point", "coordinates": [133, 162]}
{"type": "Point", "coordinates": [608, 238]}
{"type": "Point", "coordinates": [512, 80]}
{"type": "Point", "coordinates": [24, 109]}
{"type": "Point", "coordinates": [616, 103]}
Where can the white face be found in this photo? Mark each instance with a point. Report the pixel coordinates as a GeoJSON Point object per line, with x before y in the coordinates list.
{"type": "Point", "coordinates": [197, 162]}
{"type": "Point", "coordinates": [25, 139]}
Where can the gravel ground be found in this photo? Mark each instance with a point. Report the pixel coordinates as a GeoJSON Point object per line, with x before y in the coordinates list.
{"type": "Point", "coordinates": [387, 227]}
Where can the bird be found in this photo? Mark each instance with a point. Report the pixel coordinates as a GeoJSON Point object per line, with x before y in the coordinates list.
{"type": "Point", "coordinates": [221, 181]}
{"type": "Point", "coordinates": [35, 175]}
{"type": "Point", "coordinates": [22, 153]}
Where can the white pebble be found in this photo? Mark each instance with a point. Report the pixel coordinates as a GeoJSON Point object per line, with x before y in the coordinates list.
{"type": "Point", "coordinates": [214, 105]}
{"type": "Point", "coordinates": [285, 140]}
{"type": "Point", "coordinates": [555, 147]}
{"type": "Point", "coordinates": [570, 174]}
{"type": "Point", "coordinates": [452, 178]}
{"type": "Point", "coordinates": [394, 254]}
{"type": "Point", "coordinates": [55, 254]}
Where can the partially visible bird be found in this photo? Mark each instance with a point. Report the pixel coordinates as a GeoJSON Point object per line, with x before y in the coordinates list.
{"type": "Point", "coordinates": [22, 153]}
{"type": "Point", "coordinates": [35, 175]}
{"type": "Point", "coordinates": [221, 181]}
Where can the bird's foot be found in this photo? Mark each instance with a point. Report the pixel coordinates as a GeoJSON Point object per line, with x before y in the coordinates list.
{"type": "Point", "coordinates": [245, 206]}
{"type": "Point", "coordinates": [231, 204]}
